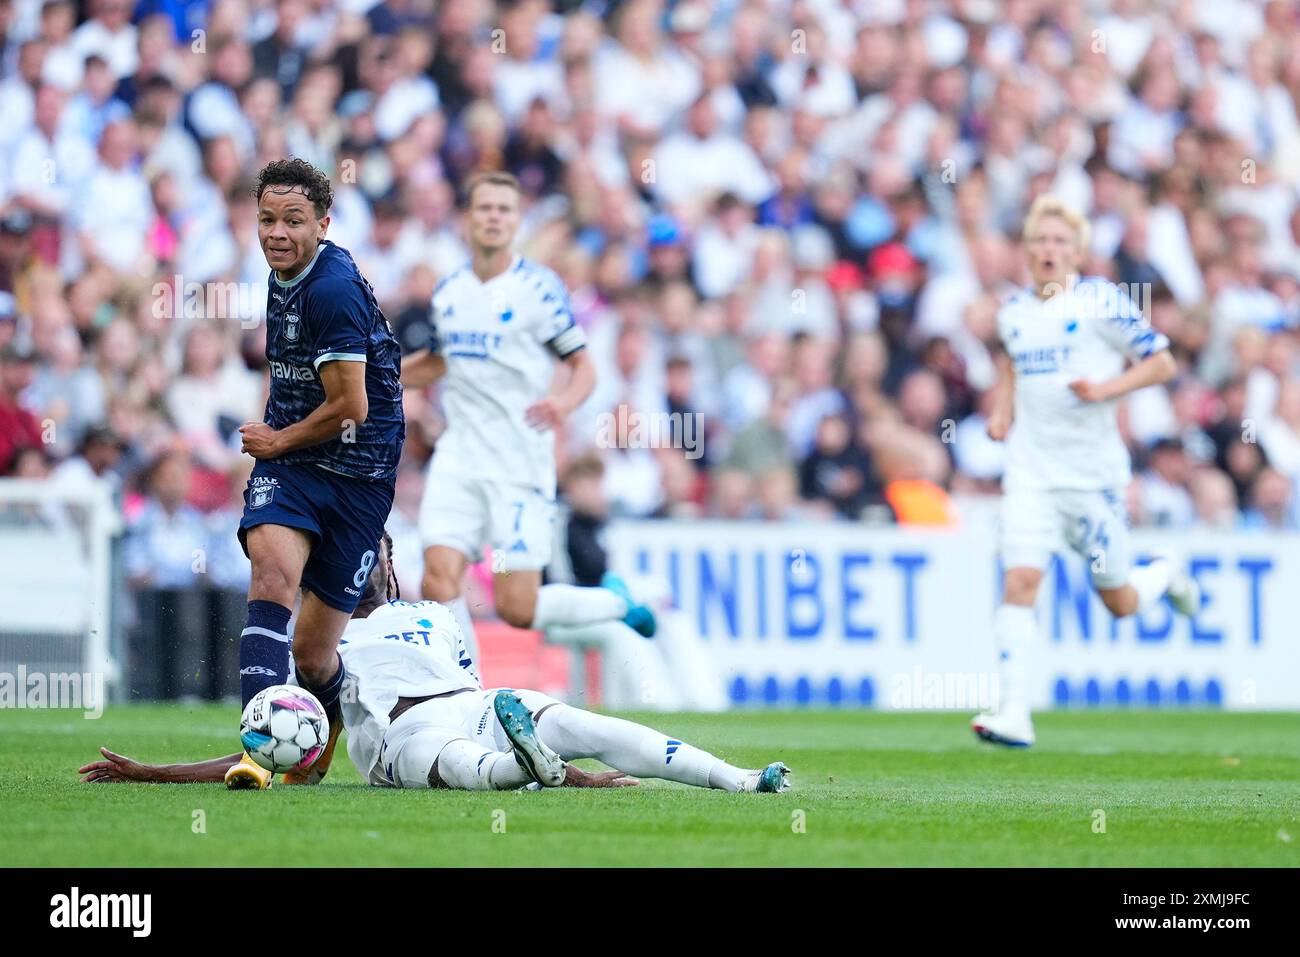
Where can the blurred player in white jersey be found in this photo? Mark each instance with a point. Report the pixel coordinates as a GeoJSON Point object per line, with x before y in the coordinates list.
{"type": "Point", "coordinates": [417, 717]}
{"type": "Point", "coordinates": [500, 323]}
{"type": "Point", "coordinates": [1062, 372]}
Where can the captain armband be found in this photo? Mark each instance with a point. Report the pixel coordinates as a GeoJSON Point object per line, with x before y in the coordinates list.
{"type": "Point", "coordinates": [568, 342]}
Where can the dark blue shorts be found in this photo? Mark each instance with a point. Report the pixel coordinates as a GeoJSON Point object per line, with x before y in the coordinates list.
{"type": "Point", "coordinates": [344, 516]}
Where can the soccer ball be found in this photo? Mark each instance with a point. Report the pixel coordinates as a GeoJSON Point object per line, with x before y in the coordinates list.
{"type": "Point", "coordinates": [284, 728]}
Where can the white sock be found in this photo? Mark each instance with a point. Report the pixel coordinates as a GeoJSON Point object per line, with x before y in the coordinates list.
{"type": "Point", "coordinates": [1015, 628]}
{"type": "Point", "coordinates": [575, 605]}
{"type": "Point", "coordinates": [1151, 582]}
{"type": "Point", "coordinates": [460, 609]}
{"type": "Point", "coordinates": [465, 766]}
{"type": "Point", "coordinates": [725, 777]}
{"type": "Point", "coordinates": [633, 749]}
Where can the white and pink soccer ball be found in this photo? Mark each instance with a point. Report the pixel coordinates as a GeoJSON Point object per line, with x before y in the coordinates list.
{"type": "Point", "coordinates": [284, 728]}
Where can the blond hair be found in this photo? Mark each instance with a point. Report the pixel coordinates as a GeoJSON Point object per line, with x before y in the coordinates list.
{"type": "Point", "coordinates": [1047, 205]}
{"type": "Point", "coordinates": [493, 177]}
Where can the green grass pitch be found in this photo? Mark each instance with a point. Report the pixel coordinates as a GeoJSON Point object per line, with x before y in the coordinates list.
{"type": "Point", "coordinates": [1175, 789]}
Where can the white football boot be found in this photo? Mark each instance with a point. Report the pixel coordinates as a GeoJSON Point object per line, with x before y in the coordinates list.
{"type": "Point", "coordinates": [1012, 728]}
{"type": "Point", "coordinates": [1183, 592]}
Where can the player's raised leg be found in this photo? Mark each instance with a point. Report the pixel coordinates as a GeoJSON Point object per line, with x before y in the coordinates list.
{"type": "Point", "coordinates": [522, 600]}
{"type": "Point", "coordinates": [1100, 534]}
{"type": "Point", "coordinates": [522, 533]}
{"type": "Point", "coordinates": [1147, 584]}
{"type": "Point", "coordinates": [458, 514]}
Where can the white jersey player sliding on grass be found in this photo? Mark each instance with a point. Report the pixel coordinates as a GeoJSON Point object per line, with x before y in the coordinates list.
{"type": "Point", "coordinates": [499, 324]}
{"type": "Point", "coordinates": [417, 717]}
{"type": "Point", "coordinates": [1061, 373]}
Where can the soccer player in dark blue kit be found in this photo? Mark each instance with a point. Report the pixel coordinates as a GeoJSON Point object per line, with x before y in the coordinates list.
{"type": "Point", "coordinates": [327, 452]}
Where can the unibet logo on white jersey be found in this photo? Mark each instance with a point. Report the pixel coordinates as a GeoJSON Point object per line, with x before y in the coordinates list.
{"type": "Point", "coordinates": [401, 650]}
{"type": "Point", "coordinates": [1084, 332]}
{"type": "Point", "coordinates": [500, 339]}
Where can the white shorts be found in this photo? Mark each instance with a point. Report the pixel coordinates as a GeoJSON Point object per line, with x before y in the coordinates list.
{"type": "Point", "coordinates": [465, 513]}
{"type": "Point", "coordinates": [413, 742]}
{"type": "Point", "coordinates": [1036, 523]}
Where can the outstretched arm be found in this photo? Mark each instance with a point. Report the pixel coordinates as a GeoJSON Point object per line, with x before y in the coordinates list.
{"type": "Point", "coordinates": [578, 778]}
{"type": "Point", "coordinates": [551, 411]}
{"type": "Point", "coordinates": [1153, 370]}
{"type": "Point", "coordinates": [117, 768]}
{"type": "Point", "coordinates": [1004, 398]}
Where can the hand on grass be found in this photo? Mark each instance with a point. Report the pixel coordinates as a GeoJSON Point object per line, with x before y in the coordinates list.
{"type": "Point", "coordinates": [577, 778]}
{"type": "Point", "coordinates": [116, 768]}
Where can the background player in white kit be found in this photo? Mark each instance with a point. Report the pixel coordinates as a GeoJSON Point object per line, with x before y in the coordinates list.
{"type": "Point", "coordinates": [499, 324]}
{"type": "Point", "coordinates": [417, 717]}
{"type": "Point", "coordinates": [1060, 376]}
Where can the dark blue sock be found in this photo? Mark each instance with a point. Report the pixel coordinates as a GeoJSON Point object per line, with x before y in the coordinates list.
{"type": "Point", "coordinates": [263, 648]}
{"type": "Point", "coordinates": [328, 693]}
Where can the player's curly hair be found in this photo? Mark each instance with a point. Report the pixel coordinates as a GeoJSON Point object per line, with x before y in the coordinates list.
{"type": "Point", "coordinates": [392, 588]}
{"type": "Point", "coordinates": [296, 172]}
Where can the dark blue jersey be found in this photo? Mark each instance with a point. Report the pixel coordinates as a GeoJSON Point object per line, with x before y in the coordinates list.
{"type": "Point", "coordinates": [328, 313]}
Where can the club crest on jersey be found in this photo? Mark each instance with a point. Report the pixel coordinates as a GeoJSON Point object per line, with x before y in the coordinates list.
{"type": "Point", "coordinates": [261, 490]}
{"type": "Point", "coordinates": [292, 326]}
{"type": "Point", "coordinates": [503, 310]}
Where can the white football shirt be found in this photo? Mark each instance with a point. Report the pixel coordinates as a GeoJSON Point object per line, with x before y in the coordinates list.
{"type": "Point", "coordinates": [500, 340]}
{"type": "Point", "coordinates": [1084, 332]}
{"type": "Point", "coordinates": [401, 650]}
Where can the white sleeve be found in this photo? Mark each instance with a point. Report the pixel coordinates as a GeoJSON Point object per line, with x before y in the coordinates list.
{"type": "Point", "coordinates": [434, 343]}
{"type": "Point", "coordinates": [1122, 325]}
{"type": "Point", "coordinates": [555, 324]}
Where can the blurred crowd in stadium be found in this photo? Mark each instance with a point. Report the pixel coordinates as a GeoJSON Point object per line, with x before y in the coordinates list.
{"type": "Point", "coordinates": [795, 218]}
